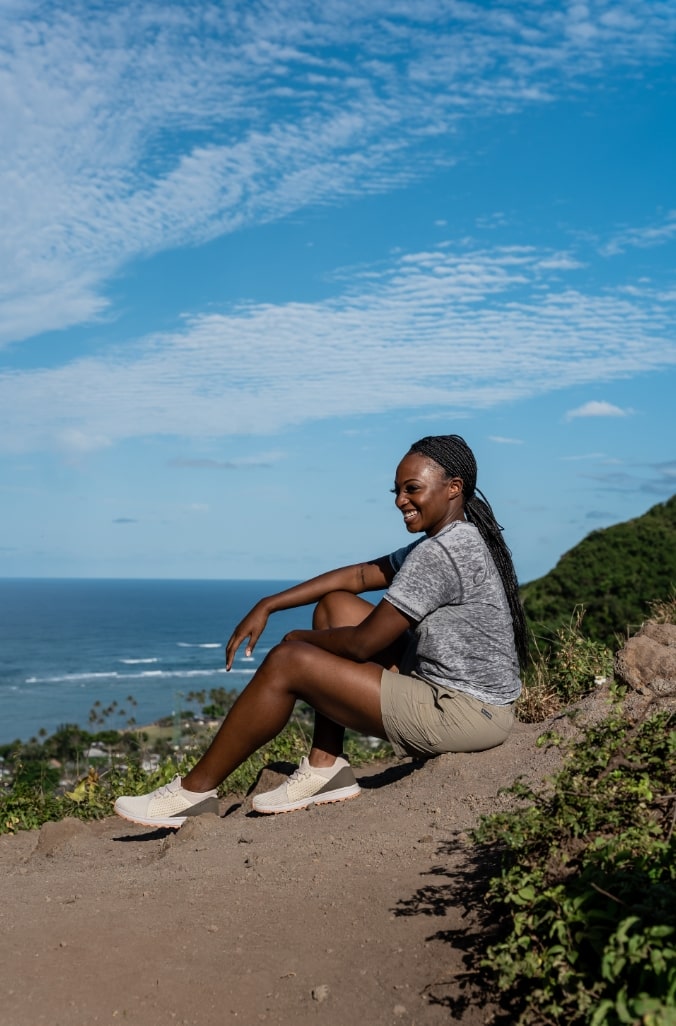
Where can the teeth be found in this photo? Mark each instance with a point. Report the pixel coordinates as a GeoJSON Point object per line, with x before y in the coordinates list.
{"type": "Point", "coordinates": [411, 513]}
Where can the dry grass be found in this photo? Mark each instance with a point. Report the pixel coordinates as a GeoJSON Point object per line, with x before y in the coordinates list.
{"type": "Point", "coordinates": [566, 670]}
{"type": "Point", "coordinates": [664, 610]}
{"type": "Point", "coordinates": [539, 698]}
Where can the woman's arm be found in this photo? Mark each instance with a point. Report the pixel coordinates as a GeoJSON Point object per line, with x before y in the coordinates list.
{"type": "Point", "coordinates": [372, 576]}
{"type": "Point", "coordinates": [367, 639]}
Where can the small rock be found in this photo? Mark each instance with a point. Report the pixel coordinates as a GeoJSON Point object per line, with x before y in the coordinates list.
{"type": "Point", "coordinates": [320, 993]}
{"type": "Point", "coordinates": [399, 1010]}
{"type": "Point", "coordinates": [58, 835]}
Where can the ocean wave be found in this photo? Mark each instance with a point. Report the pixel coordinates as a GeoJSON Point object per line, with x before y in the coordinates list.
{"type": "Point", "coordinates": [133, 662]}
{"type": "Point", "coordinates": [209, 644]}
{"type": "Point", "coordinates": [72, 678]}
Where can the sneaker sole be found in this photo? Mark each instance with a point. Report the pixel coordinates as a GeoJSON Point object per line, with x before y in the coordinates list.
{"type": "Point", "coordinates": [341, 794]}
{"type": "Point", "coordinates": [175, 822]}
{"type": "Point", "coordinates": [172, 822]}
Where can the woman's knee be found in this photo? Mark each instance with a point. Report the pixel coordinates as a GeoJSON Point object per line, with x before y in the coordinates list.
{"type": "Point", "coordinates": [286, 659]}
{"type": "Point", "coordinates": [340, 609]}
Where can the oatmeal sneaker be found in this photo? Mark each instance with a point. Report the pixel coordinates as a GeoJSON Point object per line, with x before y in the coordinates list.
{"type": "Point", "coordinates": [310, 785]}
{"type": "Point", "coordinates": [168, 806]}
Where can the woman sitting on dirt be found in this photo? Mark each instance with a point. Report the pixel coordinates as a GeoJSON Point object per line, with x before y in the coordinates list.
{"type": "Point", "coordinates": [433, 668]}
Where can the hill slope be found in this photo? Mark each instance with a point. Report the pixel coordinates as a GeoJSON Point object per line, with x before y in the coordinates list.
{"type": "Point", "coordinates": [615, 573]}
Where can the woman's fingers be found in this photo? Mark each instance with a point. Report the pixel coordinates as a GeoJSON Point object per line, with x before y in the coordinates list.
{"type": "Point", "coordinates": [251, 627]}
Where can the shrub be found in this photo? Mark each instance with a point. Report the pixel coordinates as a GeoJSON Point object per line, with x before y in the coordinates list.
{"type": "Point", "coordinates": [587, 887]}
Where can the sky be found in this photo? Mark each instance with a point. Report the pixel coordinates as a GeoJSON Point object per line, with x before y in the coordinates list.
{"type": "Point", "coordinates": [251, 251]}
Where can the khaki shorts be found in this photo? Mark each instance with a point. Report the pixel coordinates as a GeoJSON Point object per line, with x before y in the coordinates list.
{"type": "Point", "coordinates": [423, 719]}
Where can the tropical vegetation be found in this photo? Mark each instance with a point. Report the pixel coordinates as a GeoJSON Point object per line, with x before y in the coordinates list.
{"type": "Point", "coordinates": [615, 573]}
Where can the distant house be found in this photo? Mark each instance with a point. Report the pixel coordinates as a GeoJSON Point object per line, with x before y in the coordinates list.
{"type": "Point", "coordinates": [96, 753]}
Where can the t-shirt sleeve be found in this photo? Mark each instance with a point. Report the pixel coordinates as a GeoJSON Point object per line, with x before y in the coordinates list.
{"type": "Point", "coordinates": [428, 578]}
{"type": "Point", "coordinates": [397, 558]}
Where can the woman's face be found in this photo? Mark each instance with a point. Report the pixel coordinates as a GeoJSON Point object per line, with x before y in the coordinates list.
{"type": "Point", "coordinates": [427, 499]}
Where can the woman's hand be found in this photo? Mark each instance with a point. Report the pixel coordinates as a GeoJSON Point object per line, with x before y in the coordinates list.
{"type": "Point", "coordinates": [369, 576]}
{"type": "Point", "coordinates": [251, 627]}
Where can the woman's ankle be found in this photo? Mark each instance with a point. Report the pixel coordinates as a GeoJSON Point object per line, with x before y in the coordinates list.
{"type": "Point", "coordinates": [321, 759]}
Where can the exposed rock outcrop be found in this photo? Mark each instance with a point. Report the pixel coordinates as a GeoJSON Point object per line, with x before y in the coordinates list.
{"type": "Point", "coordinates": [647, 663]}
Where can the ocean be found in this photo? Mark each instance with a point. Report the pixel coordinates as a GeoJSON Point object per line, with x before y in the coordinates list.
{"type": "Point", "coordinates": [66, 644]}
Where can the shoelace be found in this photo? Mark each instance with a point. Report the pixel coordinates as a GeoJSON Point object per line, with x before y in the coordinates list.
{"type": "Point", "coordinates": [300, 774]}
{"type": "Point", "coordinates": [166, 790]}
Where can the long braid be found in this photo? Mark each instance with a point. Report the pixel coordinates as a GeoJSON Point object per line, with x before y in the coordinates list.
{"type": "Point", "coordinates": [456, 458]}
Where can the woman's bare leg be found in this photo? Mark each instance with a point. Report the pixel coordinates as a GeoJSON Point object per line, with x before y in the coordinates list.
{"type": "Point", "coordinates": [341, 691]}
{"type": "Point", "coordinates": [338, 609]}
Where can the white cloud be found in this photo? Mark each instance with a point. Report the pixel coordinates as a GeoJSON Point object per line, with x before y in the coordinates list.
{"type": "Point", "coordinates": [561, 262]}
{"type": "Point", "coordinates": [643, 237]}
{"type": "Point", "coordinates": [597, 408]}
{"type": "Point", "coordinates": [132, 128]}
{"type": "Point", "coordinates": [435, 330]}
{"type": "Point", "coordinates": [505, 441]}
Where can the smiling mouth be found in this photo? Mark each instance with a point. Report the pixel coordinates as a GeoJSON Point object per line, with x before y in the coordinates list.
{"type": "Point", "coordinates": [410, 514]}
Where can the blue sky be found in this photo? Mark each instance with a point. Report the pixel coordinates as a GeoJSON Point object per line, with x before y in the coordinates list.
{"type": "Point", "coordinates": [251, 251]}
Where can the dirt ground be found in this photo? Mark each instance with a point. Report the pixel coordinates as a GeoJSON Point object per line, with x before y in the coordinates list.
{"type": "Point", "coordinates": [359, 912]}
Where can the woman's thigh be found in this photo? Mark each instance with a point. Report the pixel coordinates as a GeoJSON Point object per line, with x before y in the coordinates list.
{"type": "Point", "coordinates": [342, 690]}
{"type": "Point", "coordinates": [422, 719]}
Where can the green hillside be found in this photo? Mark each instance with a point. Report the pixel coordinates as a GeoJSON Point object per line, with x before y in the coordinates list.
{"type": "Point", "coordinates": [615, 573]}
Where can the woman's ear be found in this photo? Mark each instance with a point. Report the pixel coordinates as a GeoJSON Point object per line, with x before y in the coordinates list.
{"type": "Point", "coordinates": [455, 486]}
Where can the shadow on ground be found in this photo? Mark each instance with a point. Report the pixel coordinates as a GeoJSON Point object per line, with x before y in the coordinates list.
{"type": "Point", "coordinates": [456, 891]}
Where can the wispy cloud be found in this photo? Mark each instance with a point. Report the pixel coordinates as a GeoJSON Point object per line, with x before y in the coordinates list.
{"type": "Point", "coordinates": [667, 471]}
{"type": "Point", "coordinates": [656, 479]}
{"type": "Point", "coordinates": [132, 128]}
{"type": "Point", "coordinates": [643, 237]}
{"type": "Point", "coordinates": [505, 441]}
{"type": "Point", "coordinates": [659, 486]}
{"type": "Point", "coordinates": [76, 441]}
{"type": "Point", "coordinates": [238, 463]}
{"type": "Point", "coordinates": [437, 330]}
{"type": "Point", "coordinates": [597, 408]}
{"type": "Point", "coordinates": [585, 456]}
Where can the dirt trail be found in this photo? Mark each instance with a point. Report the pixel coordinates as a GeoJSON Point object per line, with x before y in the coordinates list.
{"type": "Point", "coordinates": [342, 914]}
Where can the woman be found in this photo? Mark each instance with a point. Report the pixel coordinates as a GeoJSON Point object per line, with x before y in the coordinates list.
{"type": "Point", "coordinates": [433, 668]}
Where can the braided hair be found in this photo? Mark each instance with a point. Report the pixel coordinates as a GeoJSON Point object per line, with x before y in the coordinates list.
{"type": "Point", "coordinates": [454, 456]}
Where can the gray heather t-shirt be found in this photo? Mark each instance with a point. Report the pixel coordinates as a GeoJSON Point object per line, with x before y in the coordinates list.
{"type": "Point", "coordinates": [465, 640]}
